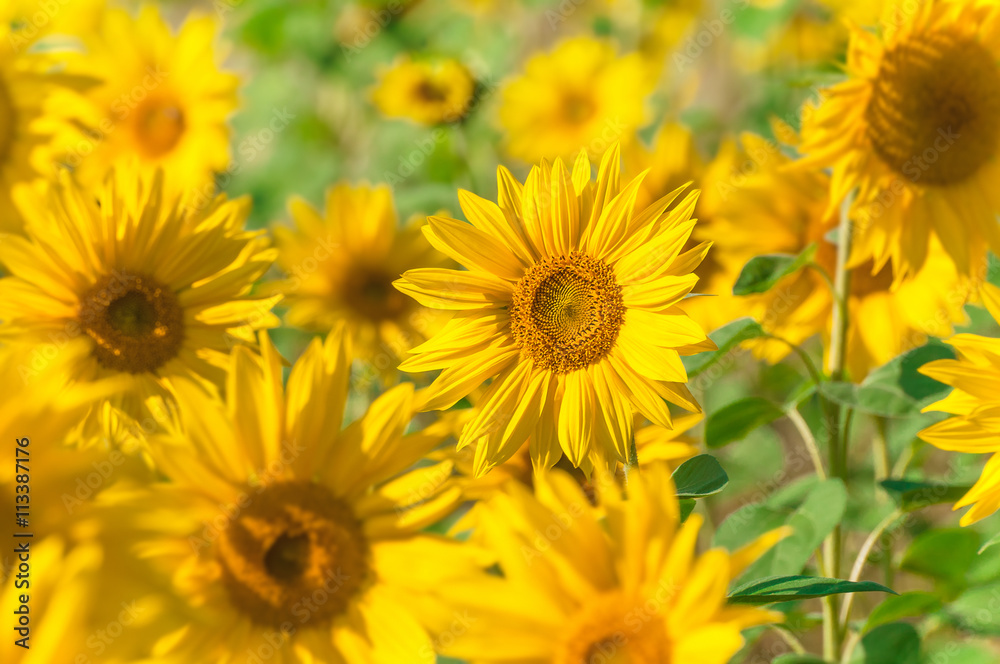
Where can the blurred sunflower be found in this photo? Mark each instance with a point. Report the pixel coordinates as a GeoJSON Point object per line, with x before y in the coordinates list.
{"type": "Point", "coordinates": [163, 101]}
{"type": "Point", "coordinates": [32, 20]}
{"type": "Point", "coordinates": [777, 210]}
{"type": "Point", "coordinates": [916, 132]}
{"type": "Point", "coordinates": [673, 161]}
{"type": "Point", "coordinates": [278, 524]}
{"type": "Point", "coordinates": [427, 92]}
{"type": "Point", "coordinates": [628, 587]}
{"type": "Point", "coordinates": [30, 123]}
{"type": "Point", "coordinates": [579, 96]}
{"type": "Point", "coordinates": [569, 304]}
{"type": "Point", "coordinates": [341, 265]}
{"type": "Point", "coordinates": [156, 291]}
{"type": "Point", "coordinates": [975, 406]}
{"type": "Point", "coordinates": [653, 443]}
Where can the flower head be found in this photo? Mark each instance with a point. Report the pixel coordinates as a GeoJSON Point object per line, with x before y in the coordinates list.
{"type": "Point", "coordinates": [569, 305]}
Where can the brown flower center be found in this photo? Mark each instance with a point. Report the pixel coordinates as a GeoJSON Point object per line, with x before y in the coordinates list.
{"type": "Point", "coordinates": [578, 108]}
{"type": "Point", "coordinates": [566, 312]}
{"type": "Point", "coordinates": [613, 629]}
{"type": "Point", "coordinates": [159, 127]}
{"type": "Point", "coordinates": [430, 92]}
{"type": "Point", "coordinates": [370, 293]}
{"type": "Point", "coordinates": [136, 323]}
{"type": "Point", "coordinates": [934, 113]}
{"type": "Point", "coordinates": [295, 551]}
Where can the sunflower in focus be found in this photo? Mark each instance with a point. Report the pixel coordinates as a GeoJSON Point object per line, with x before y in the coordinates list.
{"type": "Point", "coordinates": [341, 264]}
{"type": "Point", "coordinates": [279, 525]}
{"type": "Point", "coordinates": [779, 210]}
{"type": "Point", "coordinates": [975, 408]}
{"type": "Point", "coordinates": [427, 92]}
{"type": "Point", "coordinates": [580, 96]}
{"type": "Point", "coordinates": [915, 132]}
{"type": "Point", "coordinates": [156, 291]}
{"type": "Point", "coordinates": [569, 304]}
{"type": "Point", "coordinates": [627, 588]}
{"type": "Point", "coordinates": [162, 103]}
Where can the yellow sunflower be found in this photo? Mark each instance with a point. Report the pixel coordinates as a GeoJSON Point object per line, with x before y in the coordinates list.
{"type": "Point", "coordinates": [628, 588]}
{"type": "Point", "coordinates": [341, 264]}
{"type": "Point", "coordinates": [287, 535]}
{"type": "Point", "coordinates": [31, 120]}
{"type": "Point", "coordinates": [671, 161]}
{"type": "Point", "coordinates": [156, 292]}
{"type": "Point", "coordinates": [427, 92]}
{"type": "Point", "coordinates": [975, 406]}
{"type": "Point", "coordinates": [770, 208]}
{"type": "Point", "coordinates": [569, 304]}
{"type": "Point", "coordinates": [580, 96]}
{"type": "Point", "coordinates": [915, 132]}
{"type": "Point", "coordinates": [162, 103]}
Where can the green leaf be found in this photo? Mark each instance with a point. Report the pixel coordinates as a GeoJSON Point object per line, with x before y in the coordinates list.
{"type": "Point", "coordinates": [699, 477]}
{"type": "Point", "coordinates": [895, 643]}
{"type": "Point", "coordinates": [879, 399]}
{"type": "Point", "coordinates": [944, 555]}
{"type": "Point", "coordinates": [761, 273]}
{"type": "Point", "coordinates": [798, 659]}
{"type": "Point", "coordinates": [687, 506]}
{"type": "Point", "coordinates": [902, 606]}
{"type": "Point", "coordinates": [793, 588]}
{"type": "Point", "coordinates": [911, 496]}
{"type": "Point", "coordinates": [821, 510]}
{"type": "Point", "coordinates": [736, 420]}
{"type": "Point", "coordinates": [726, 338]}
{"type": "Point", "coordinates": [896, 389]}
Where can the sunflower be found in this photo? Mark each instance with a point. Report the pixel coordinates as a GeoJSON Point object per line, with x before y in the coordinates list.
{"type": "Point", "coordinates": [30, 120]}
{"type": "Point", "coordinates": [569, 304]}
{"type": "Point", "coordinates": [579, 96]}
{"type": "Point", "coordinates": [156, 291]}
{"type": "Point", "coordinates": [162, 102]}
{"type": "Point", "coordinates": [915, 132]}
{"type": "Point", "coordinates": [427, 92]}
{"type": "Point", "coordinates": [671, 161]}
{"type": "Point", "coordinates": [341, 264]}
{"type": "Point", "coordinates": [280, 528]}
{"type": "Point", "coordinates": [975, 406]}
{"type": "Point", "coordinates": [575, 588]}
{"type": "Point", "coordinates": [774, 209]}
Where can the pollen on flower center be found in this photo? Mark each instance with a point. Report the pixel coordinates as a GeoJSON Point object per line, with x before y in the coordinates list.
{"type": "Point", "coordinates": [613, 629]}
{"type": "Point", "coordinates": [934, 113]}
{"type": "Point", "coordinates": [136, 323]}
{"type": "Point", "coordinates": [295, 548]}
{"type": "Point", "coordinates": [159, 126]}
{"type": "Point", "coordinates": [566, 312]}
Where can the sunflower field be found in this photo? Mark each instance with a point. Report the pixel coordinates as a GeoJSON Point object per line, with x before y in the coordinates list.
{"type": "Point", "coordinates": [500, 331]}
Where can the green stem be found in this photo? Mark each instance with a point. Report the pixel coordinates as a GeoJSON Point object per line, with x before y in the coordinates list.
{"type": "Point", "coordinates": [832, 547]}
